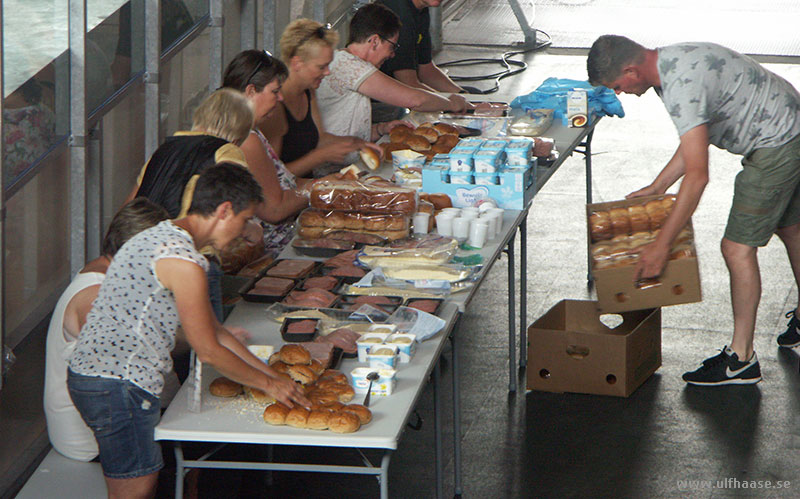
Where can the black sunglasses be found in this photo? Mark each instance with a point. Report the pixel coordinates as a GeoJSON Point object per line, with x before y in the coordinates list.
{"type": "Point", "coordinates": [261, 64]}
{"type": "Point", "coordinates": [319, 33]}
{"type": "Point", "coordinates": [395, 45]}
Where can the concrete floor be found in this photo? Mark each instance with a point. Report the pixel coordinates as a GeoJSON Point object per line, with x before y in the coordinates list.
{"type": "Point", "coordinates": [571, 445]}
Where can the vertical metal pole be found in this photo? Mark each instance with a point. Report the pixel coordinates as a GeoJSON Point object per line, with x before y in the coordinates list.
{"type": "Point", "coordinates": [216, 22]}
{"type": "Point", "coordinates": [77, 139]}
{"type": "Point", "coordinates": [247, 29]}
{"type": "Point", "coordinates": [436, 28]}
{"type": "Point", "coordinates": [587, 153]}
{"type": "Point", "coordinates": [2, 210]}
{"type": "Point", "coordinates": [456, 409]}
{"type": "Point", "coordinates": [94, 196]}
{"type": "Point", "coordinates": [152, 67]}
{"type": "Point", "coordinates": [270, 33]}
{"type": "Point", "coordinates": [512, 334]}
{"type": "Point", "coordinates": [437, 425]}
{"type": "Point", "coordinates": [318, 11]}
{"type": "Point", "coordinates": [523, 292]}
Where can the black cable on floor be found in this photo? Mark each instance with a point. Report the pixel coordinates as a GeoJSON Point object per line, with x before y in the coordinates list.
{"type": "Point", "coordinates": [504, 60]}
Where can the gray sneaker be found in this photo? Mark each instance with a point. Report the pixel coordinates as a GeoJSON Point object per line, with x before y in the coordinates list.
{"type": "Point", "coordinates": [725, 369]}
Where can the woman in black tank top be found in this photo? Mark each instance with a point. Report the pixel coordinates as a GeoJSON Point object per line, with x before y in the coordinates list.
{"type": "Point", "coordinates": [295, 131]}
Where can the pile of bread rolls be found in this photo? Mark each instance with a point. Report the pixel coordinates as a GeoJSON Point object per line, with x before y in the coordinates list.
{"type": "Point", "coordinates": [618, 234]}
{"type": "Point", "coordinates": [327, 389]}
{"type": "Point", "coordinates": [428, 139]}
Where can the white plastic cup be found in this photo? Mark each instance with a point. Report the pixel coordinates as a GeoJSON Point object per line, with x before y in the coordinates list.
{"type": "Point", "coordinates": [492, 221]}
{"type": "Point", "coordinates": [470, 210]}
{"type": "Point", "coordinates": [478, 233]}
{"type": "Point", "coordinates": [444, 224]}
{"type": "Point", "coordinates": [456, 212]}
{"type": "Point", "coordinates": [461, 228]}
{"type": "Point", "coordinates": [421, 221]}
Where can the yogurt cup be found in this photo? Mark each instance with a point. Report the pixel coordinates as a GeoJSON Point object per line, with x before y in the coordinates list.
{"type": "Point", "coordinates": [406, 346]}
{"type": "Point", "coordinates": [382, 356]}
{"type": "Point", "coordinates": [366, 341]}
{"type": "Point", "coordinates": [383, 386]}
{"type": "Point", "coordinates": [263, 352]}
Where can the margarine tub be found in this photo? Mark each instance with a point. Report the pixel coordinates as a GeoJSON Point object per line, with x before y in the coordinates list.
{"type": "Point", "coordinates": [465, 178]}
{"type": "Point", "coordinates": [382, 328]}
{"type": "Point", "coordinates": [407, 159]}
{"type": "Point", "coordinates": [368, 340]}
{"type": "Point", "coordinates": [494, 144]}
{"type": "Point", "coordinates": [486, 178]}
{"type": "Point", "coordinates": [518, 152]}
{"type": "Point", "coordinates": [263, 352]}
{"type": "Point", "coordinates": [384, 385]}
{"type": "Point", "coordinates": [461, 160]}
{"type": "Point", "coordinates": [382, 356]}
{"type": "Point", "coordinates": [487, 160]}
{"type": "Point", "coordinates": [406, 346]}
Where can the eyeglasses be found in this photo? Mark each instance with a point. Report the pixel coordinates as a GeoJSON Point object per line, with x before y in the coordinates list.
{"type": "Point", "coordinates": [319, 33]}
{"type": "Point", "coordinates": [260, 65]}
{"type": "Point", "coordinates": [395, 45]}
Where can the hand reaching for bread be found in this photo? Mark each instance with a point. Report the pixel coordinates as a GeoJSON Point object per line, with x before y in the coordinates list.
{"type": "Point", "coordinates": [287, 392]}
{"type": "Point", "coordinates": [341, 338]}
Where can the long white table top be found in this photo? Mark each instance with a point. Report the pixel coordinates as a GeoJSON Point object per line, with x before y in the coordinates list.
{"type": "Point", "coordinates": [240, 420]}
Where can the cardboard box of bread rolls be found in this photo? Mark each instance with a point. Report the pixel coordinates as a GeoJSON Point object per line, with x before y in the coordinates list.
{"type": "Point", "coordinates": [615, 230]}
{"type": "Point", "coordinates": [571, 350]}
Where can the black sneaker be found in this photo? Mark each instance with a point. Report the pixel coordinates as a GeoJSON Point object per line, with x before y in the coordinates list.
{"type": "Point", "coordinates": [790, 338]}
{"type": "Point", "coordinates": [725, 369]}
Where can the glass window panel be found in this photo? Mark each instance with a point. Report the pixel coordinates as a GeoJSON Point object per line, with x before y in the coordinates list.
{"type": "Point", "coordinates": [35, 81]}
{"type": "Point", "coordinates": [184, 85]}
{"type": "Point", "coordinates": [178, 17]}
{"type": "Point", "coordinates": [36, 241]}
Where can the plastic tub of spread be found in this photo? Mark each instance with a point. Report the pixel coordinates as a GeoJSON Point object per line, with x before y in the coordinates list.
{"type": "Point", "coordinates": [465, 178]}
{"type": "Point", "coordinates": [518, 152]}
{"type": "Point", "coordinates": [382, 356]}
{"type": "Point", "coordinates": [487, 160]}
{"type": "Point", "coordinates": [383, 386]}
{"type": "Point", "coordinates": [263, 352]}
{"type": "Point", "coordinates": [407, 158]}
{"type": "Point", "coordinates": [366, 341]}
{"type": "Point", "coordinates": [494, 144]}
{"type": "Point", "coordinates": [406, 346]}
{"type": "Point", "coordinates": [461, 160]}
{"type": "Point", "coordinates": [486, 178]}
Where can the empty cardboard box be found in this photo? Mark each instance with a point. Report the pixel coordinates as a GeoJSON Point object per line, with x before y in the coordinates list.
{"type": "Point", "coordinates": [571, 350]}
{"type": "Point", "coordinates": [616, 290]}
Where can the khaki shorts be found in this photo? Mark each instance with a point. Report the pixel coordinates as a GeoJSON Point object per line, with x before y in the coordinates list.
{"type": "Point", "coordinates": [766, 194]}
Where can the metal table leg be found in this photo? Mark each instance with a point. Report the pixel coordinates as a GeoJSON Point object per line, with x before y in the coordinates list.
{"type": "Point", "coordinates": [512, 336]}
{"type": "Point", "coordinates": [523, 292]}
{"type": "Point", "coordinates": [179, 469]}
{"type": "Point", "coordinates": [456, 412]}
{"type": "Point", "coordinates": [437, 428]}
{"type": "Point", "coordinates": [384, 476]}
{"type": "Point", "coordinates": [587, 156]}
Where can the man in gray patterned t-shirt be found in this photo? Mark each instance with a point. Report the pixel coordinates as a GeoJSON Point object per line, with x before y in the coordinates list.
{"type": "Point", "coordinates": [717, 96]}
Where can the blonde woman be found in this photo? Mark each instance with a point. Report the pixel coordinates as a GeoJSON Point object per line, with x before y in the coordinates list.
{"type": "Point", "coordinates": [296, 131]}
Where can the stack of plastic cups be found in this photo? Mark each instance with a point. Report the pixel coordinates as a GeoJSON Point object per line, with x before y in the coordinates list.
{"type": "Point", "coordinates": [444, 223]}
{"type": "Point", "coordinates": [497, 215]}
{"type": "Point", "coordinates": [478, 232]}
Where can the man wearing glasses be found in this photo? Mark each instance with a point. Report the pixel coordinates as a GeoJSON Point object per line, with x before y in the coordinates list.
{"type": "Point", "coordinates": [413, 63]}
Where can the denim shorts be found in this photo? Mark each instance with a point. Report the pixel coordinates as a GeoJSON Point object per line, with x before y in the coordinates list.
{"type": "Point", "coordinates": [123, 418]}
{"type": "Point", "coordinates": [766, 194]}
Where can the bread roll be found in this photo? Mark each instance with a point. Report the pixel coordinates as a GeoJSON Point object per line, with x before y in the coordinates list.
{"type": "Point", "coordinates": [390, 147]}
{"type": "Point", "coordinates": [430, 133]}
{"type": "Point", "coordinates": [439, 200]}
{"type": "Point", "coordinates": [318, 419]}
{"type": "Point", "coordinates": [333, 375]}
{"type": "Point", "coordinates": [224, 387]}
{"type": "Point", "coordinates": [295, 354]}
{"type": "Point", "coordinates": [276, 413]}
{"type": "Point", "coordinates": [297, 417]}
{"type": "Point", "coordinates": [446, 129]}
{"type": "Point", "coordinates": [448, 141]}
{"type": "Point", "coordinates": [667, 203]}
{"type": "Point", "coordinates": [363, 413]}
{"type": "Point", "coordinates": [259, 396]}
{"type": "Point", "coordinates": [418, 143]}
{"type": "Point", "coordinates": [317, 367]}
{"type": "Point", "coordinates": [333, 406]}
{"type": "Point", "coordinates": [620, 222]}
{"type": "Point", "coordinates": [370, 158]}
{"type": "Point", "coordinates": [275, 357]}
{"type": "Point", "coordinates": [346, 393]}
{"type": "Point", "coordinates": [302, 374]}
{"type": "Point", "coordinates": [321, 396]}
{"type": "Point", "coordinates": [280, 366]}
{"type": "Point", "coordinates": [343, 422]}
{"type": "Point", "coordinates": [600, 226]}
{"type": "Point", "coordinates": [348, 195]}
{"type": "Point", "coordinates": [639, 219]}
{"type": "Point", "coordinates": [400, 133]}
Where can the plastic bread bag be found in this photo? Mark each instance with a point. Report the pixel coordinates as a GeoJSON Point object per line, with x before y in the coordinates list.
{"type": "Point", "coordinates": [533, 123]}
{"type": "Point", "coordinates": [419, 250]}
{"type": "Point", "coordinates": [279, 312]}
{"type": "Point", "coordinates": [368, 195]}
{"type": "Point", "coordinates": [416, 322]}
{"type": "Point", "coordinates": [316, 223]}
